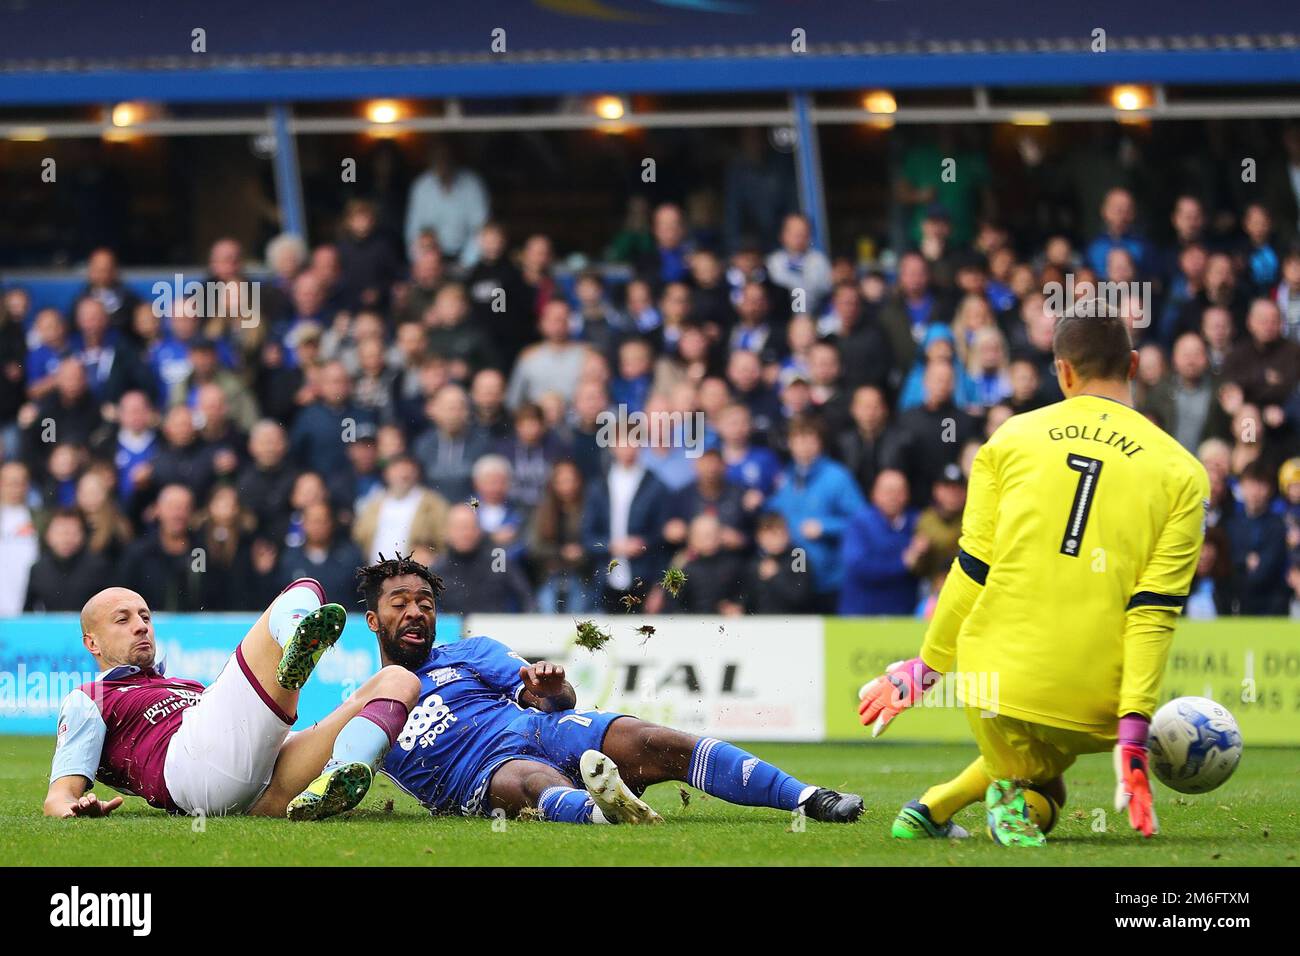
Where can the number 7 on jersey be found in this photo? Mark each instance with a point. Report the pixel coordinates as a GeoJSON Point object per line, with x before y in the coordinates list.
{"type": "Point", "coordinates": [1089, 470]}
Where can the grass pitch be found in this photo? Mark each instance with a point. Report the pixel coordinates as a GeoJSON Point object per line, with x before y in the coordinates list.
{"type": "Point", "coordinates": [1254, 820]}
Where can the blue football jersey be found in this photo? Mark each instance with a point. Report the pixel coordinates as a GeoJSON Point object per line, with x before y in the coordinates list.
{"type": "Point", "coordinates": [468, 694]}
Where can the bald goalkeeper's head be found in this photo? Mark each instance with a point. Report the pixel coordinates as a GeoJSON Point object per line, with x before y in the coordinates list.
{"type": "Point", "coordinates": [117, 629]}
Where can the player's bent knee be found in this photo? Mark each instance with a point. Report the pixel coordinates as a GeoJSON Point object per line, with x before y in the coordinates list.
{"type": "Point", "coordinates": [396, 682]}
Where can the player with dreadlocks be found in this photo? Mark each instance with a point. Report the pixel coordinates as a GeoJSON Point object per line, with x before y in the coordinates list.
{"type": "Point", "coordinates": [493, 732]}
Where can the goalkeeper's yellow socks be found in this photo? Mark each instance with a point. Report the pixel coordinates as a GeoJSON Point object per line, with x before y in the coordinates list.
{"type": "Point", "coordinates": [966, 788]}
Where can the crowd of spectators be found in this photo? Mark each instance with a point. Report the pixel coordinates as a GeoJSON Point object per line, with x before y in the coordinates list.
{"type": "Point", "coordinates": [446, 399]}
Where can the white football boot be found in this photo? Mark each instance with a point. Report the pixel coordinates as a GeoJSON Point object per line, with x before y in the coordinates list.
{"type": "Point", "coordinates": [613, 798]}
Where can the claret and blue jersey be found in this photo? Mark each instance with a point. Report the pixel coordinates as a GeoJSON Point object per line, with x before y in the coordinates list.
{"type": "Point", "coordinates": [469, 721]}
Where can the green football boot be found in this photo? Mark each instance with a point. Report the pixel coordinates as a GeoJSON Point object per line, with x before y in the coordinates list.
{"type": "Point", "coordinates": [316, 633]}
{"type": "Point", "coordinates": [915, 823]}
{"type": "Point", "coordinates": [1008, 817]}
{"type": "Point", "coordinates": [336, 791]}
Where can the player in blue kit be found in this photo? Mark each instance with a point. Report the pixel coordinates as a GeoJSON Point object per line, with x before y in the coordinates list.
{"type": "Point", "coordinates": [493, 732]}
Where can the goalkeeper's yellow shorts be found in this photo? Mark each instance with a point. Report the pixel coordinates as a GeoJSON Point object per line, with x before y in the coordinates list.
{"type": "Point", "coordinates": [1015, 749]}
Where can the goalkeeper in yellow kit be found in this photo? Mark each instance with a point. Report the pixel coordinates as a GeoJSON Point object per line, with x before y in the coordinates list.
{"type": "Point", "coordinates": [1081, 533]}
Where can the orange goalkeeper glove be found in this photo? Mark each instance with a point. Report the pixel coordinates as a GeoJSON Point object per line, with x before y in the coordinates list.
{"type": "Point", "coordinates": [901, 686]}
{"type": "Point", "coordinates": [1133, 775]}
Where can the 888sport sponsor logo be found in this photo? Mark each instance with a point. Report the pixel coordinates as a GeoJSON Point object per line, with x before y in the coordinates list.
{"type": "Point", "coordinates": [426, 722]}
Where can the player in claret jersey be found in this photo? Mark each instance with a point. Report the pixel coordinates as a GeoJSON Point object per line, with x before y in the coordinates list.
{"type": "Point", "coordinates": [226, 748]}
{"type": "Point", "coordinates": [493, 732]}
{"type": "Point", "coordinates": [1080, 538]}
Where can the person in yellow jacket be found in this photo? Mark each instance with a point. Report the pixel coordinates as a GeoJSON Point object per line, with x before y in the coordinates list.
{"type": "Point", "coordinates": [1080, 539]}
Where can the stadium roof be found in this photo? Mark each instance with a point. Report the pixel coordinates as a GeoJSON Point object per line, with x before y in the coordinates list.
{"type": "Point", "coordinates": [67, 51]}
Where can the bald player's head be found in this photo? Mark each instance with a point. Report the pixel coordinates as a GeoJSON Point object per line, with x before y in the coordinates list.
{"type": "Point", "coordinates": [117, 629]}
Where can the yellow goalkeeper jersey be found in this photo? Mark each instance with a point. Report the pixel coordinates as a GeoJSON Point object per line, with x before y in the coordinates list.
{"type": "Point", "coordinates": [1080, 538]}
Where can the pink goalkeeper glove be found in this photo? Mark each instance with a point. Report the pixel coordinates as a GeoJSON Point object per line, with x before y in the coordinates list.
{"type": "Point", "coordinates": [901, 686]}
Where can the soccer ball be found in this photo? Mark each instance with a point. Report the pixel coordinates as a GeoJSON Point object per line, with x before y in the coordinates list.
{"type": "Point", "coordinates": [1195, 744]}
{"type": "Point", "coordinates": [1040, 807]}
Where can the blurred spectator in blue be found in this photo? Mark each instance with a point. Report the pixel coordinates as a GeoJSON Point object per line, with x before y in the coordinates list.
{"type": "Point", "coordinates": [555, 550]}
{"type": "Point", "coordinates": [631, 386]}
{"type": "Point", "coordinates": [112, 367]}
{"type": "Point", "coordinates": [450, 201]}
{"type": "Point", "coordinates": [1256, 251]}
{"type": "Point", "coordinates": [665, 452]}
{"type": "Point", "coordinates": [135, 442]}
{"type": "Point", "coordinates": [710, 493]}
{"type": "Point", "coordinates": [880, 549]}
{"type": "Point", "coordinates": [640, 311]}
{"type": "Point", "coordinates": [1257, 536]}
{"type": "Point", "coordinates": [51, 332]}
{"type": "Point", "coordinates": [322, 428]}
{"type": "Point", "coordinates": [817, 497]}
{"type": "Point", "coordinates": [989, 368]}
{"type": "Point", "coordinates": [1118, 216]}
{"type": "Point", "coordinates": [938, 346]}
{"type": "Point", "coordinates": [752, 467]}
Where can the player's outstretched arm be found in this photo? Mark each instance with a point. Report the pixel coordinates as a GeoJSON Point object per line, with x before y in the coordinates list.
{"type": "Point", "coordinates": [67, 797]}
{"type": "Point", "coordinates": [545, 687]}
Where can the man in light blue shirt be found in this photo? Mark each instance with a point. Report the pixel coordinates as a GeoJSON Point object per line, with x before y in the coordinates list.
{"type": "Point", "coordinates": [449, 202]}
